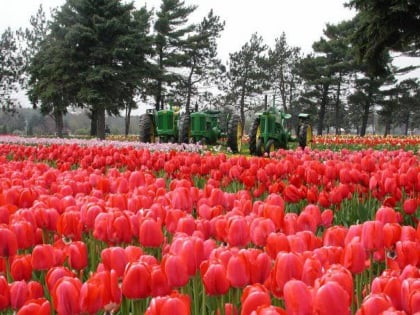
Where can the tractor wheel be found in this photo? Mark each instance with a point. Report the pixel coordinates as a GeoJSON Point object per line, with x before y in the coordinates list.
{"type": "Point", "coordinates": [253, 137]}
{"type": "Point", "coordinates": [172, 139]}
{"type": "Point", "coordinates": [234, 134]}
{"type": "Point", "coordinates": [147, 129]}
{"type": "Point", "coordinates": [270, 147]}
{"type": "Point", "coordinates": [302, 137]}
{"type": "Point", "coordinates": [259, 150]}
{"type": "Point", "coordinates": [184, 130]}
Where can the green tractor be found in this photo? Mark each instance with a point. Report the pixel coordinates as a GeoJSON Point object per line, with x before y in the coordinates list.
{"type": "Point", "coordinates": [268, 132]}
{"type": "Point", "coordinates": [162, 125]}
{"type": "Point", "coordinates": [205, 127]}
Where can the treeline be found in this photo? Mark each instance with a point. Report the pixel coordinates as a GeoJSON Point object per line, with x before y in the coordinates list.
{"type": "Point", "coordinates": [107, 57]}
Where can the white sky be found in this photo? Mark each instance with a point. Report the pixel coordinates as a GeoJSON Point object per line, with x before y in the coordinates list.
{"type": "Point", "coordinates": [302, 21]}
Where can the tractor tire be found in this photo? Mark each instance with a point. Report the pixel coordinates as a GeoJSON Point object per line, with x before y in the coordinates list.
{"type": "Point", "coordinates": [270, 147]}
{"type": "Point", "coordinates": [303, 132]}
{"type": "Point", "coordinates": [260, 149]}
{"type": "Point", "coordinates": [147, 129]}
{"type": "Point", "coordinates": [253, 137]}
{"type": "Point", "coordinates": [184, 130]}
{"type": "Point", "coordinates": [283, 140]}
{"type": "Point", "coordinates": [234, 134]}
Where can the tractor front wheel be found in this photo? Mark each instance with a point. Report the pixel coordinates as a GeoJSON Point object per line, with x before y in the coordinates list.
{"type": "Point", "coordinates": [234, 136]}
{"type": "Point", "coordinates": [302, 136]}
{"type": "Point", "coordinates": [260, 149]}
{"type": "Point", "coordinates": [270, 147]}
{"type": "Point", "coordinates": [147, 129]}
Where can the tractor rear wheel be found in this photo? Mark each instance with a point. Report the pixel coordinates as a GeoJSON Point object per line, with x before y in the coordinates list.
{"type": "Point", "coordinates": [270, 147]}
{"type": "Point", "coordinates": [234, 134]}
{"type": "Point", "coordinates": [147, 129]}
{"type": "Point", "coordinates": [260, 149]}
{"type": "Point", "coordinates": [184, 130]}
{"type": "Point", "coordinates": [253, 137]}
{"type": "Point", "coordinates": [302, 137]}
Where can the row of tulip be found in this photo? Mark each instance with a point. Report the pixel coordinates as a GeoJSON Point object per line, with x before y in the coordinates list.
{"type": "Point", "coordinates": [307, 232]}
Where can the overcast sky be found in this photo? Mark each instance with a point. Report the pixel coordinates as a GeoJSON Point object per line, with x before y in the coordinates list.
{"type": "Point", "coordinates": [302, 21]}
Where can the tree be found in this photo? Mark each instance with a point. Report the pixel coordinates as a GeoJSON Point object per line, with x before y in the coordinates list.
{"type": "Point", "coordinates": [282, 61]}
{"type": "Point", "coordinates": [337, 50]}
{"type": "Point", "coordinates": [247, 72]}
{"type": "Point", "coordinates": [384, 26]}
{"type": "Point", "coordinates": [201, 52]}
{"type": "Point", "coordinates": [171, 32]}
{"type": "Point", "coordinates": [11, 69]}
{"type": "Point", "coordinates": [88, 37]}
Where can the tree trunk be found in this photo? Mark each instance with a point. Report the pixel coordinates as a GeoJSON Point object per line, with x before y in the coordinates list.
{"type": "Point", "coordinates": [322, 108]}
{"type": "Point", "coordinates": [365, 117]}
{"type": "Point", "coordinates": [101, 123]}
{"type": "Point", "coordinates": [59, 123]}
{"type": "Point", "coordinates": [406, 123]}
{"type": "Point", "coordinates": [242, 106]}
{"type": "Point", "coordinates": [189, 91]}
{"type": "Point", "coordinates": [127, 119]}
{"type": "Point", "coordinates": [93, 123]}
{"type": "Point", "coordinates": [337, 108]}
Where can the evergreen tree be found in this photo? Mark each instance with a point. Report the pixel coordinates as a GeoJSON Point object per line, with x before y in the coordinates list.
{"type": "Point", "coordinates": [11, 69]}
{"type": "Point", "coordinates": [170, 43]}
{"type": "Point", "coordinates": [383, 26]}
{"type": "Point", "coordinates": [247, 72]}
{"type": "Point", "coordinates": [282, 71]}
{"type": "Point", "coordinates": [201, 50]}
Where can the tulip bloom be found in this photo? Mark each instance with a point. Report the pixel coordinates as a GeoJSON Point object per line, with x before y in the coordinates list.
{"type": "Point", "coordinates": [176, 270]}
{"type": "Point", "coordinates": [21, 267]}
{"type": "Point", "coordinates": [175, 303]}
{"type": "Point", "coordinates": [8, 244]}
{"type": "Point", "coordinates": [331, 298]}
{"type": "Point", "coordinates": [70, 226]}
{"type": "Point", "coordinates": [4, 293]}
{"type": "Point", "coordinates": [372, 235]}
{"type": "Point", "coordinates": [298, 298]}
{"type": "Point", "coordinates": [136, 281]}
{"type": "Point", "coordinates": [287, 266]}
{"type": "Point", "coordinates": [150, 233]}
{"type": "Point", "coordinates": [355, 256]}
{"type": "Point", "coordinates": [238, 271]}
{"type": "Point", "coordinates": [43, 257]}
{"type": "Point", "coordinates": [213, 276]}
{"type": "Point", "coordinates": [375, 303]}
{"type": "Point", "coordinates": [253, 297]}
{"type": "Point", "coordinates": [40, 306]}
{"type": "Point", "coordinates": [78, 256]}
{"type": "Point", "coordinates": [66, 296]}
{"type": "Point", "coordinates": [114, 258]}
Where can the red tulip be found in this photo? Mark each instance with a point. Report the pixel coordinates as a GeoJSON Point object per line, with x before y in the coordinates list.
{"type": "Point", "coordinates": [113, 227]}
{"type": "Point", "coordinates": [4, 293]}
{"type": "Point", "coordinates": [410, 206]}
{"type": "Point", "coordinates": [136, 281]}
{"type": "Point", "coordinates": [269, 310]}
{"type": "Point", "coordinates": [355, 256]}
{"type": "Point", "coordinates": [8, 244]}
{"type": "Point", "coordinates": [389, 285]}
{"type": "Point", "coordinates": [176, 270]}
{"type": "Point", "coordinates": [340, 275]}
{"type": "Point", "coordinates": [259, 264]}
{"type": "Point", "coordinates": [327, 217]}
{"type": "Point", "coordinates": [253, 297]}
{"type": "Point", "coordinates": [260, 228]}
{"type": "Point", "coordinates": [70, 226]}
{"type": "Point", "coordinates": [287, 266]}
{"type": "Point", "coordinates": [386, 215]}
{"type": "Point", "coordinates": [191, 249]}
{"type": "Point", "coordinates": [43, 257]}
{"type": "Point", "coordinates": [331, 298]}
{"type": "Point", "coordinates": [298, 298]}
{"type": "Point", "coordinates": [19, 293]}
{"type": "Point", "coordinates": [409, 295]}
{"type": "Point", "coordinates": [66, 296]}
{"type": "Point", "coordinates": [40, 306]}
{"type": "Point", "coordinates": [312, 270]}
{"type": "Point", "coordinates": [21, 267]}
{"type": "Point", "coordinates": [276, 242]}
{"type": "Point", "coordinates": [213, 276]}
{"type": "Point", "coordinates": [78, 255]}
{"type": "Point", "coordinates": [159, 282]}
{"type": "Point", "coordinates": [238, 231]}
{"type": "Point", "coordinates": [392, 233]}
{"type": "Point", "coordinates": [238, 271]}
{"type": "Point", "coordinates": [372, 235]}
{"type": "Point", "coordinates": [114, 258]}
{"type": "Point", "coordinates": [150, 233]}
{"type": "Point", "coordinates": [55, 274]}
{"type": "Point", "coordinates": [335, 236]}
{"type": "Point", "coordinates": [375, 304]}
{"type": "Point", "coordinates": [25, 233]}
{"type": "Point", "coordinates": [407, 253]}
{"type": "Point", "coordinates": [175, 303]}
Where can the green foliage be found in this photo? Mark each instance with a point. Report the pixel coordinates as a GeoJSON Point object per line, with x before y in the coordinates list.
{"type": "Point", "coordinates": [383, 26]}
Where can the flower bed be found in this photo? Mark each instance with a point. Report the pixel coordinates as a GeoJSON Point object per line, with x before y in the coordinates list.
{"type": "Point", "coordinates": [97, 227]}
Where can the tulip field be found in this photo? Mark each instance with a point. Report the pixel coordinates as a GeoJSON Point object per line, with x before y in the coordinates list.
{"type": "Point", "coordinates": [120, 227]}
